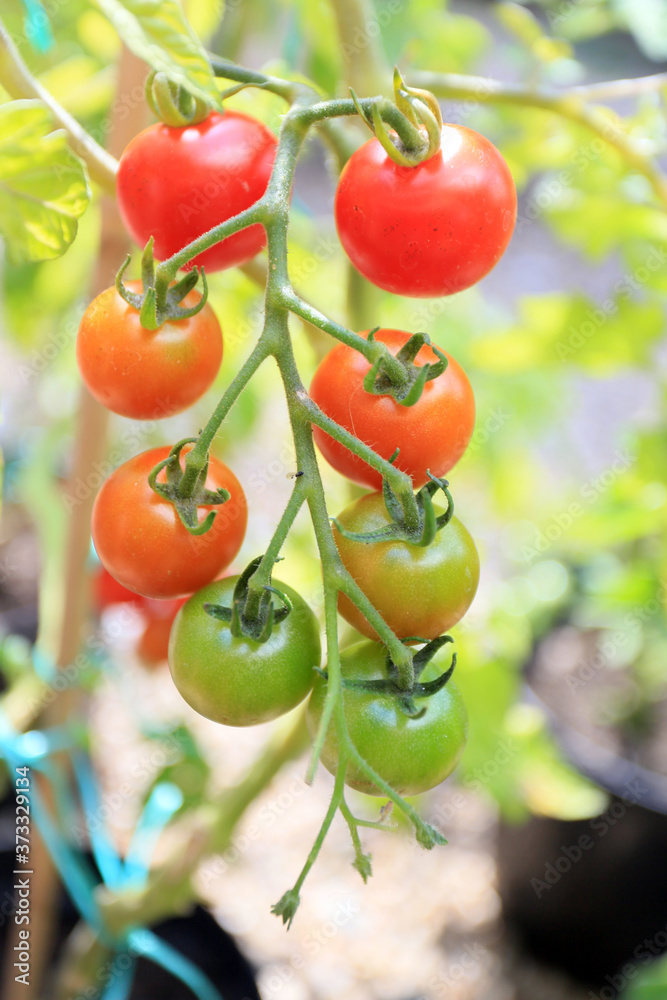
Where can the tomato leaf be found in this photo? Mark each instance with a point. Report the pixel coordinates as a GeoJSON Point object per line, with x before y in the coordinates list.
{"type": "Point", "coordinates": [157, 31]}
{"type": "Point", "coordinates": [43, 185]}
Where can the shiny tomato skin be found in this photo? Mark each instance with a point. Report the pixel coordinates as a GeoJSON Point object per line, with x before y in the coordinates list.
{"type": "Point", "coordinates": [175, 184]}
{"type": "Point", "coordinates": [419, 591]}
{"type": "Point", "coordinates": [234, 680]}
{"type": "Point", "coordinates": [412, 755]}
{"type": "Point", "coordinates": [428, 230]}
{"type": "Point", "coordinates": [432, 434]}
{"type": "Point", "coordinates": [146, 374]}
{"type": "Point", "coordinates": [139, 538]}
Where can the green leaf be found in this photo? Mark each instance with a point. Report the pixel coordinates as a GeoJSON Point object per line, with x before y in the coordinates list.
{"type": "Point", "coordinates": [43, 185]}
{"type": "Point", "coordinates": [158, 32]}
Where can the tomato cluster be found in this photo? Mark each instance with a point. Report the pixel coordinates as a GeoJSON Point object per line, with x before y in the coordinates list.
{"type": "Point", "coordinates": [242, 656]}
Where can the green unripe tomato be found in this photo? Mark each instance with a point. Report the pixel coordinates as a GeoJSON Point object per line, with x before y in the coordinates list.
{"type": "Point", "coordinates": [237, 681]}
{"type": "Point", "coordinates": [411, 754]}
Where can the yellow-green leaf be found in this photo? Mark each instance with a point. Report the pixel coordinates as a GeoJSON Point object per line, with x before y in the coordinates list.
{"type": "Point", "coordinates": [158, 32]}
{"type": "Point", "coordinates": [43, 185]}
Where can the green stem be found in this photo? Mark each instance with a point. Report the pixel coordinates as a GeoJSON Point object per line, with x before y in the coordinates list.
{"type": "Point", "coordinates": [198, 457]}
{"type": "Point", "coordinates": [232, 71]}
{"type": "Point", "coordinates": [353, 827]}
{"type": "Point", "coordinates": [569, 104]}
{"type": "Point", "coordinates": [371, 350]}
{"type": "Point", "coordinates": [399, 481]}
{"type": "Point", "coordinates": [336, 799]}
{"type": "Point", "coordinates": [167, 270]}
{"type": "Point", "coordinates": [383, 786]}
{"type": "Point", "coordinates": [262, 574]}
{"type": "Point", "coordinates": [19, 83]}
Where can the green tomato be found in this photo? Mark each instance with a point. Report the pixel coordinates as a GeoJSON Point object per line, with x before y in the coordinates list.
{"type": "Point", "coordinates": [237, 681]}
{"type": "Point", "coordinates": [411, 754]}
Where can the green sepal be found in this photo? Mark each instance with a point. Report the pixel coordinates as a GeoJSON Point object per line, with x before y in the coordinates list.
{"type": "Point", "coordinates": [172, 103]}
{"type": "Point", "coordinates": [252, 615]}
{"type": "Point", "coordinates": [159, 302]}
{"type": "Point", "coordinates": [429, 523]}
{"type": "Point", "coordinates": [420, 689]}
{"type": "Point", "coordinates": [378, 381]}
{"type": "Point", "coordinates": [363, 864]}
{"type": "Point", "coordinates": [428, 836]}
{"type": "Point", "coordinates": [287, 906]}
{"type": "Point", "coordinates": [186, 505]}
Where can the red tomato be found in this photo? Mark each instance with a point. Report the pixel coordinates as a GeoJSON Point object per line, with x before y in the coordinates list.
{"type": "Point", "coordinates": [432, 229]}
{"type": "Point", "coordinates": [175, 184]}
{"type": "Point", "coordinates": [107, 591]}
{"type": "Point", "coordinates": [154, 641]}
{"type": "Point", "coordinates": [146, 374]}
{"type": "Point", "coordinates": [432, 434]}
{"type": "Point", "coordinates": [141, 541]}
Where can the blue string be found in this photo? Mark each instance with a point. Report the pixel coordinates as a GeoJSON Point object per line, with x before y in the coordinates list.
{"type": "Point", "coordinates": [149, 945]}
{"type": "Point", "coordinates": [120, 985]}
{"type": "Point", "coordinates": [37, 26]}
{"type": "Point", "coordinates": [32, 749]}
{"type": "Point", "coordinates": [165, 800]}
{"type": "Point", "coordinates": [106, 857]}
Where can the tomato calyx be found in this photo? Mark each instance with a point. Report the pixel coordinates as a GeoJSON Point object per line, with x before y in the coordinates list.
{"type": "Point", "coordinates": [158, 303]}
{"type": "Point", "coordinates": [429, 523]}
{"type": "Point", "coordinates": [187, 493]}
{"type": "Point", "coordinates": [172, 103]}
{"type": "Point", "coordinates": [287, 906]}
{"type": "Point", "coordinates": [378, 382]}
{"type": "Point", "coordinates": [422, 112]}
{"type": "Point", "coordinates": [252, 614]}
{"type": "Point", "coordinates": [389, 685]}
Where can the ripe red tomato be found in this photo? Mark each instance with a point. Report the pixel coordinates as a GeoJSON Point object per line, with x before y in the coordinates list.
{"type": "Point", "coordinates": [146, 374]}
{"type": "Point", "coordinates": [418, 590]}
{"type": "Point", "coordinates": [432, 229]}
{"type": "Point", "coordinates": [153, 644]}
{"type": "Point", "coordinates": [107, 591]}
{"type": "Point", "coordinates": [141, 541]}
{"type": "Point", "coordinates": [432, 434]}
{"type": "Point", "coordinates": [175, 184]}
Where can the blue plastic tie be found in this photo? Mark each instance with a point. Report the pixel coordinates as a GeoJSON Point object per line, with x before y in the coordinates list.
{"type": "Point", "coordinates": [149, 945]}
{"type": "Point", "coordinates": [165, 800]}
{"type": "Point", "coordinates": [37, 26]}
{"type": "Point", "coordinates": [122, 977]}
{"type": "Point", "coordinates": [106, 857]}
